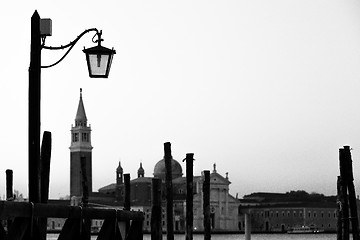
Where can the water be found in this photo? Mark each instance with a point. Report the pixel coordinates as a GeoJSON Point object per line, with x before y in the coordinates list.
{"type": "Point", "coordinates": [259, 237]}
{"type": "Point", "coordinates": [239, 237]}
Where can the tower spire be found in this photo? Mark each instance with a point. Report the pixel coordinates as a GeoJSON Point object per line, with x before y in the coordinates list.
{"type": "Point", "coordinates": [80, 119]}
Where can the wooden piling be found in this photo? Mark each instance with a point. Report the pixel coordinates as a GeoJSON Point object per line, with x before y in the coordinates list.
{"type": "Point", "coordinates": [156, 226]}
{"type": "Point", "coordinates": [9, 185]}
{"type": "Point", "coordinates": [127, 199]}
{"type": "Point", "coordinates": [189, 196]}
{"type": "Point", "coordinates": [206, 205]}
{"type": "Point", "coordinates": [343, 188]}
{"type": "Point", "coordinates": [340, 201]}
{"type": "Point", "coordinates": [352, 195]}
{"type": "Point", "coordinates": [9, 193]}
{"type": "Point", "coordinates": [127, 191]}
{"type": "Point", "coordinates": [45, 157]}
{"type": "Point", "coordinates": [169, 193]}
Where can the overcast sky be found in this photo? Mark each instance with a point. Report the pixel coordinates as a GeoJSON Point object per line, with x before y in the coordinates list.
{"type": "Point", "coordinates": [267, 90]}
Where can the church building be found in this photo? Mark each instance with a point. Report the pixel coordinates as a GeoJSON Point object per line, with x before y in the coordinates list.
{"type": "Point", "coordinates": [224, 207]}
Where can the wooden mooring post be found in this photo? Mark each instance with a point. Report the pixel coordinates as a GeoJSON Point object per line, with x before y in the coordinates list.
{"type": "Point", "coordinates": [206, 205]}
{"type": "Point", "coordinates": [127, 191]}
{"type": "Point", "coordinates": [189, 196]}
{"type": "Point", "coordinates": [9, 185]}
{"type": "Point", "coordinates": [45, 158]}
{"type": "Point", "coordinates": [9, 193]}
{"type": "Point", "coordinates": [347, 197]}
{"type": "Point", "coordinates": [127, 198]}
{"type": "Point", "coordinates": [156, 226]}
{"type": "Point", "coordinates": [340, 217]}
{"type": "Point", "coordinates": [169, 193]}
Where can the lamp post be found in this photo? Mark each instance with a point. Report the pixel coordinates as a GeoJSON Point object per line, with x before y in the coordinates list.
{"type": "Point", "coordinates": [99, 61]}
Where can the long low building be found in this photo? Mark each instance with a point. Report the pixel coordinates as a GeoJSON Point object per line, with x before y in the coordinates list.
{"type": "Point", "coordinates": [282, 212]}
{"type": "Point", "coordinates": [282, 217]}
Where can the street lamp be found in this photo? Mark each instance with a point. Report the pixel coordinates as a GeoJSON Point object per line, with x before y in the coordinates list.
{"type": "Point", "coordinates": [99, 61]}
{"type": "Point", "coordinates": [98, 58]}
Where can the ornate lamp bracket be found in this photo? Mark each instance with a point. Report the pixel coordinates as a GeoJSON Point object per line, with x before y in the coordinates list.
{"type": "Point", "coordinates": [71, 44]}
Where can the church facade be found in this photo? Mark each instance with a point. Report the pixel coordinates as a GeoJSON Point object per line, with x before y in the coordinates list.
{"type": "Point", "coordinates": [223, 206]}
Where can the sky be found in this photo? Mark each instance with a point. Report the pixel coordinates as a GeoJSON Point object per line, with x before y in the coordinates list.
{"type": "Point", "coordinates": [267, 90]}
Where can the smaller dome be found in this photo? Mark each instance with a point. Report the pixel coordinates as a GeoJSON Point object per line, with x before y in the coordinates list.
{"type": "Point", "coordinates": [159, 169]}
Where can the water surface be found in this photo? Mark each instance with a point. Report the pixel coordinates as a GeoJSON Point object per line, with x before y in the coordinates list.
{"type": "Point", "coordinates": [284, 236]}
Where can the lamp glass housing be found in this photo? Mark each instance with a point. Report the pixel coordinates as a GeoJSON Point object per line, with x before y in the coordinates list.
{"type": "Point", "coordinates": [99, 60]}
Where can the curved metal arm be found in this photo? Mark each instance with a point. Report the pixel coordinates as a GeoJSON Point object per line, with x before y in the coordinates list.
{"type": "Point", "coordinates": [72, 44]}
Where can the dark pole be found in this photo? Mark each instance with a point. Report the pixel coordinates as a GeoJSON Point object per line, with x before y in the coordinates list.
{"type": "Point", "coordinates": [169, 196]}
{"type": "Point", "coordinates": [9, 185]}
{"type": "Point", "coordinates": [127, 199]}
{"type": "Point", "coordinates": [156, 228]}
{"type": "Point", "coordinates": [45, 156]}
{"type": "Point", "coordinates": [344, 194]}
{"type": "Point", "coordinates": [34, 110]}
{"type": "Point", "coordinates": [9, 191]}
{"type": "Point", "coordinates": [340, 201]}
{"type": "Point", "coordinates": [127, 191]}
{"type": "Point", "coordinates": [352, 195]}
{"type": "Point", "coordinates": [206, 207]}
{"type": "Point", "coordinates": [189, 196]}
{"type": "Point", "coordinates": [45, 166]}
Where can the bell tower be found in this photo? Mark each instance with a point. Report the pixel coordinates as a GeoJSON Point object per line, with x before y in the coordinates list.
{"type": "Point", "coordinates": [80, 149]}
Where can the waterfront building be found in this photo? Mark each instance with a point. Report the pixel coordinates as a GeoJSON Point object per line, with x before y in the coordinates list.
{"type": "Point", "coordinates": [224, 207]}
{"type": "Point", "coordinates": [276, 212]}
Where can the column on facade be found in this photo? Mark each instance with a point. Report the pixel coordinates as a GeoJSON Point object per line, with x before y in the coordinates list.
{"type": "Point", "coordinates": [247, 226]}
{"type": "Point", "coordinates": [226, 207]}
{"type": "Point", "coordinates": [220, 202]}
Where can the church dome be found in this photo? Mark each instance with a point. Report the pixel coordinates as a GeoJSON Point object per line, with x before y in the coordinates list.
{"type": "Point", "coordinates": [159, 169]}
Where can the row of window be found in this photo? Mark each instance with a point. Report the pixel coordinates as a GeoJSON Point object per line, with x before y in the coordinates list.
{"type": "Point", "coordinates": [85, 137]}
{"type": "Point", "coordinates": [80, 123]}
{"type": "Point", "coordinates": [288, 226]}
{"type": "Point", "coordinates": [310, 214]}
